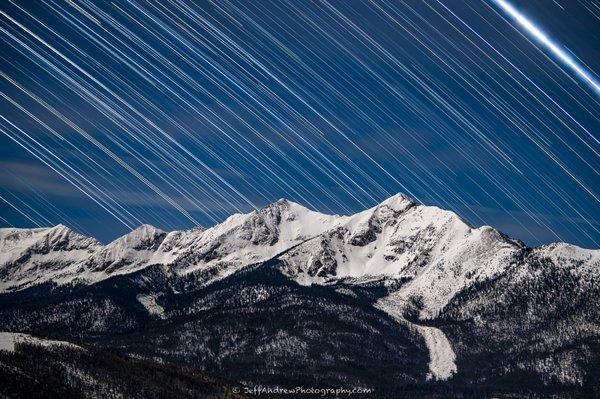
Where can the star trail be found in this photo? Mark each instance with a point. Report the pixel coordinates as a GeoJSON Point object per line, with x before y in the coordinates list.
{"type": "Point", "coordinates": [545, 40]}
{"type": "Point", "coordinates": [180, 113]}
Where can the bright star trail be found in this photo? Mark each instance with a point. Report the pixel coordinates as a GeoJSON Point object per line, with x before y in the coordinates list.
{"type": "Point", "coordinates": [114, 114]}
{"type": "Point", "coordinates": [545, 40]}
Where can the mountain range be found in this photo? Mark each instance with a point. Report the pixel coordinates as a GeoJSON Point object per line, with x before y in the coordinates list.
{"type": "Point", "coordinates": [403, 299]}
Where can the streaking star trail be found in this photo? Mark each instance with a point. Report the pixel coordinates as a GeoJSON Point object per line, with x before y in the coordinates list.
{"type": "Point", "coordinates": [114, 114]}
{"type": "Point", "coordinates": [538, 34]}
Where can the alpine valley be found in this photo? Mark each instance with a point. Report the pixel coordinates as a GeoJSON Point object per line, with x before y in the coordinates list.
{"type": "Point", "coordinates": [401, 300]}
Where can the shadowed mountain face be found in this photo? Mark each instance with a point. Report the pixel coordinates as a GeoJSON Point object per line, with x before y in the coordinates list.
{"type": "Point", "coordinates": [256, 325]}
{"type": "Point", "coordinates": [398, 298]}
{"type": "Point", "coordinates": [536, 325]}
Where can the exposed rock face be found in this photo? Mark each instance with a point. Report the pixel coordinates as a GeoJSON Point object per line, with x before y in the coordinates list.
{"type": "Point", "coordinates": [434, 249]}
{"type": "Point", "coordinates": [30, 256]}
{"type": "Point", "coordinates": [239, 241]}
{"type": "Point", "coordinates": [127, 252]}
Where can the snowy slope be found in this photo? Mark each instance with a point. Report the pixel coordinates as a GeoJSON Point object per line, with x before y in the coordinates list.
{"type": "Point", "coordinates": [129, 252]}
{"type": "Point", "coordinates": [426, 258]}
{"type": "Point", "coordinates": [33, 256]}
{"type": "Point", "coordinates": [580, 260]}
{"type": "Point", "coordinates": [442, 359]}
{"type": "Point", "coordinates": [539, 318]}
{"type": "Point", "coordinates": [29, 256]}
{"type": "Point", "coordinates": [245, 239]}
{"type": "Point", "coordinates": [434, 249]}
{"type": "Point", "coordinates": [10, 340]}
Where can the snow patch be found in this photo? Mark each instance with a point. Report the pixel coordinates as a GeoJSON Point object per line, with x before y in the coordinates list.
{"type": "Point", "coordinates": [9, 341]}
{"type": "Point", "coordinates": [149, 302]}
{"type": "Point", "coordinates": [442, 359]}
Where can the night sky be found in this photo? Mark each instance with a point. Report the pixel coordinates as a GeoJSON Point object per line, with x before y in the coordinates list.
{"type": "Point", "coordinates": [119, 113]}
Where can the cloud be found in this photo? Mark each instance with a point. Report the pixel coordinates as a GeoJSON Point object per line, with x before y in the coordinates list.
{"type": "Point", "coordinates": [21, 177]}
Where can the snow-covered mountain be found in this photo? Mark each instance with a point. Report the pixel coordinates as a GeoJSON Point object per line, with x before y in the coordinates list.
{"type": "Point", "coordinates": [127, 253]}
{"type": "Point", "coordinates": [29, 256]}
{"type": "Point", "coordinates": [57, 254]}
{"type": "Point", "coordinates": [435, 250]}
{"type": "Point", "coordinates": [419, 273]}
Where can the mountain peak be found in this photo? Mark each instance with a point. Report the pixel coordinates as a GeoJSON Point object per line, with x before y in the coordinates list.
{"type": "Point", "coordinates": [288, 210]}
{"type": "Point", "coordinates": [398, 238]}
{"type": "Point", "coordinates": [398, 202]}
{"type": "Point", "coordinates": [146, 229]}
{"type": "Point", "coordinates": [143, 237]}
{"type": "Point", "coordinates": [64, 237]}
{"type": "Point", "coordinates": [284, 203]}
{"type": "Point", "coordinates": [140, 232]}
{"type": "Point", "coordinates": [60, 230]}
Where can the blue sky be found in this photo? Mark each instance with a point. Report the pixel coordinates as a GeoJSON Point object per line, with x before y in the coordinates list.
{"type": "Point", "coordinates": [117, 114]}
